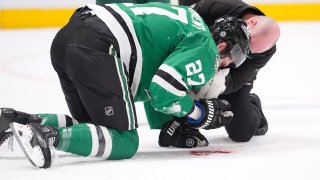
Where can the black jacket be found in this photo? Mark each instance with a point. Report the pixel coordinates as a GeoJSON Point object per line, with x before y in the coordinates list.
{"type": "Point", "coordinates": [210, 10]}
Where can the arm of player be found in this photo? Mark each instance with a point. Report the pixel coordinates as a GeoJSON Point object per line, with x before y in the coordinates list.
{"type": "Point", "coordinates": [210, 114]}
{"type": "Point", "coordinates": [183, 132]}
{"type": "Point", "coordinates": [187, 68]}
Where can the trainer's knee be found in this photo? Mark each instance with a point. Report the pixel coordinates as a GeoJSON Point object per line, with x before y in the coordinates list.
{"type": "Point", "coordinates": [240, 136]}
{"type": "Point", "coordinates": [242, 130]}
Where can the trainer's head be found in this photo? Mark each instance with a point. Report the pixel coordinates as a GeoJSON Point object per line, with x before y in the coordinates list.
{"type": "Point", "coordinates": [264, 32]}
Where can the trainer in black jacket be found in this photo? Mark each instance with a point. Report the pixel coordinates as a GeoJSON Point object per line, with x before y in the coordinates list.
{"type": "Point", "coordinates": [248, 118]}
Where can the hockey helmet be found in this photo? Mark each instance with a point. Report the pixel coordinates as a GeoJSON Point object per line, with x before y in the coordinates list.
{"type": "Point", "coordinates": [235, 33]}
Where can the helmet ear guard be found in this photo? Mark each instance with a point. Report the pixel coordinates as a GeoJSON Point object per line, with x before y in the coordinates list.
{"type": "Point", "coordinates": [235, 33]}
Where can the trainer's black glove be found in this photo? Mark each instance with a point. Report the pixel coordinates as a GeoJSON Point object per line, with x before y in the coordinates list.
{"type": "Point", "coordinates": [176, 133]}
{"type": "Point", "coordinates": [214, 114]}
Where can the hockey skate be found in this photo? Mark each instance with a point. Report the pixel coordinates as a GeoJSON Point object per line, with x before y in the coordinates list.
{"type": "Point", "coordinates": [263, 125]}
{"type": "Point", "coordinates": [9, 115]}
{"type": "Point", "coordinates": [37, 142]}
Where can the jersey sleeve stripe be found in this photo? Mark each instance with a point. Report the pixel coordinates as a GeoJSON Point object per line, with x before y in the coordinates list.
{"type": "Point", "coordinates": [167, 77]}
{"type": "Point", "coordinates": [170, 70]}
{"type": "Point", "coordinates": [167, 86]}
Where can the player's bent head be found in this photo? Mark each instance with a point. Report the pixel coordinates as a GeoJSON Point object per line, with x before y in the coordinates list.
{"type": "Point", "coordinates": [235, 34]}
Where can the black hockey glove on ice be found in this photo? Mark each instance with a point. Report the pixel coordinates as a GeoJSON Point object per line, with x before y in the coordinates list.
{"type": "Point", "coordinates": [214, 114]}
{"type": "Point", "coordinates": [176, 133]}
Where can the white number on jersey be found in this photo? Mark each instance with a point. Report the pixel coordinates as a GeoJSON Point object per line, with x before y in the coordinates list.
{"type": "Point", "coordinates": [180, 16]}
{"type": "Point", "coordinates": [192, 69]}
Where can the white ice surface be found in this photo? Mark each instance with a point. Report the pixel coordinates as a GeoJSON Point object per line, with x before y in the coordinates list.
{"type": "Point", "coordinates": [288, 87]}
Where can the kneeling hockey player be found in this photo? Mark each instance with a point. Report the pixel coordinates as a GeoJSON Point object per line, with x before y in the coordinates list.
{"type": "Point", "coordinates": [107, 57]}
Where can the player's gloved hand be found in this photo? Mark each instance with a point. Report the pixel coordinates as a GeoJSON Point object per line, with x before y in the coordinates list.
{"type": "Point", "coordinates": [212, 113]}
{"type": "Point", "coordinates": [176, 133]}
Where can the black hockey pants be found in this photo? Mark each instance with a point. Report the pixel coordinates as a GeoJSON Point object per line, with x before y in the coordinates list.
{"type": "Point", "coordinates": [92, 77]}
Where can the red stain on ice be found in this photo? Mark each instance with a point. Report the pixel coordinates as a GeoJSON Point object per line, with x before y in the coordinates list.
{"type": "Point", "coordinates": [206, 153]}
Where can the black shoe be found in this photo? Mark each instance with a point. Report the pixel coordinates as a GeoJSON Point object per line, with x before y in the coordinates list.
{"type": "Point", "coordinates": [263, 125]}
{"type": "Point", "coordinates": [37, 142]}
{"type": "Point", "coordinates": [9, 115]}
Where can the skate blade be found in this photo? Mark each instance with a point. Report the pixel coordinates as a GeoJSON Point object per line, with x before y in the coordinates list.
{"type": "Point", "coordinates": [25, 145]}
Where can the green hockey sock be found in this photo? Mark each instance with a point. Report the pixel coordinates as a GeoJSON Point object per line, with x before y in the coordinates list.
{"type": "Point", "coordinates": [98, 141]}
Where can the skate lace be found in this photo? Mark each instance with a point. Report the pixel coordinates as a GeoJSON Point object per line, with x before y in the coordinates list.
{"type": "Point", "coordinates": [54, 155]}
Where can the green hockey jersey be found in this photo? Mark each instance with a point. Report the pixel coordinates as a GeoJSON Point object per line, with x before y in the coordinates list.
{"type": "Point", "coordinates": [100, 2]}
{"type": "Point", "coordinates": [167, 51]}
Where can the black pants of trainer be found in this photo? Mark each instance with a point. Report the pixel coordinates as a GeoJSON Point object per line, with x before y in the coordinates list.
{"type": "Point", "coordinates": [247, 116]}
{"type": "Point", "coordinates": [94, 89]}
{"type": "Point", "coordinates": [187, 2]}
